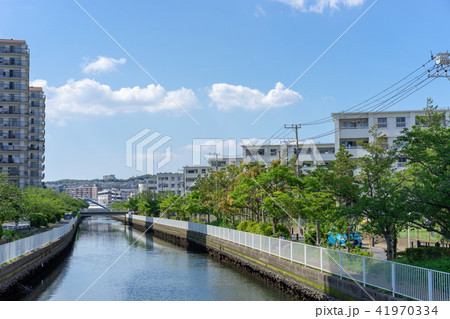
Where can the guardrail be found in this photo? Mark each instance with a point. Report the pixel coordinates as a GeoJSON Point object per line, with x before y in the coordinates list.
{"type": "Point", "coordinates": [405, 280]}
{"type": "Point", "coordinates": [20, 247]}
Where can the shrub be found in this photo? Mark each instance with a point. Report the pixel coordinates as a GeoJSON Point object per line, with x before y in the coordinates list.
{"type": "Point", "coordinates": [246, 225]}
{"type": "Point", "coordinates": [426, 253]}
{"type": "Point", "coordinates": [283, 231]}
{"type": "Point", "coordinates": [10, 233]}
{"type": "Point", "coordinates": [1, 232]}
{"type": "Point", "coordinates": [38, 220]}
{"type": "Point", "coordinates": [51, 218]}
{"type": "Point", "coordinates": [59, 216]}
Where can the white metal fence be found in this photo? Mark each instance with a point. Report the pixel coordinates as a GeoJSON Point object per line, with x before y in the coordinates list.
{"type": "Point", "coordinates": [405, 280]}
{"type": "Point", "coordinates": [20, 247]}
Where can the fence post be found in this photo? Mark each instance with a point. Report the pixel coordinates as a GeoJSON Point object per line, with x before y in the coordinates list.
{"type": "Point", "coordinates": [291, 251]}
{"type": "Point", "coordinates": [340, 264]}
{"type": "Point", "coordinates": [239, 238]}
{"type": "Point", "coordinates": [364, 271]}
{"type": "Point", "coordinates": [321, 259]}
{"type": "Point", "coordinates": [260, 243]}
{"type": "Point", "coordinates": [304, 253]}
{"type": "Point", "coordinates": [269, 246]}
{"type": "Point", "coordinates": [393, 279]}
{"type": "Point", "coordinates": [279, 248]}
{"type": "Point", "coordinates": [430, 285]}
{"type": "Point", "coordinates": [253, 241]}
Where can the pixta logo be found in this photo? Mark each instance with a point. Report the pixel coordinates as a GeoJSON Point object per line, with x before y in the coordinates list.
{"type": "Point", "coordinates": [141, 151]}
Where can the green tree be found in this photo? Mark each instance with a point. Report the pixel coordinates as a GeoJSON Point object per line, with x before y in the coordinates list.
{"type": "Point", "coordinates": [426, 190]}
{"type": "Point", "coordinates": [379, 200]}
{"type": "Point", "coordinates": [11, 202]}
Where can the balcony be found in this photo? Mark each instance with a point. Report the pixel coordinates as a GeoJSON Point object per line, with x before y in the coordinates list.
{"type": "Point", "coordinates": [13, 50]}
{"type": "Point", "coordinates": [11, 62]}
{"type": "Point", "coordinates": [35, 157]}
{"type": "Point", "coordinates": [35, 122]}
{"type": "Point", "coordinates": [20, 124]}
{"type": "Point", "coordinates": [13, 161]}
{"type": "Point", "coordinates": [15, 87]}
{"type": "Point", "coordinates": [11, 111]}
{"type": "Point", "coordinates": [12, 148]}
{"type": "Point", "coordinates": [10, 136]}
{"type": "Point", "coordinates": [12, 99]}
{"type": "Point", "coordinates": [12, 75]}
{"type": "Point", "coordinates": [37, 95]}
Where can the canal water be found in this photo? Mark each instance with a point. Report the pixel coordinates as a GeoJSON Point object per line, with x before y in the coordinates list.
{"type": "Point", "coordinates": [151, 269]}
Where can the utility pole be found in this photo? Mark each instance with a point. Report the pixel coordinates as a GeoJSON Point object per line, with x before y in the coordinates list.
{"type": "Point", "coordinates": [295, 127]}
{"type": "Point", "coordinates": [442, 64]}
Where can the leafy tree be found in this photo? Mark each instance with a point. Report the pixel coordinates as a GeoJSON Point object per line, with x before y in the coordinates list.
{"type": "Point", "coordinates": [379, 200]}
{"type": "Point", "coordinates": [426, 190]}
{"type": "Point", "coordinates": [11, 206]}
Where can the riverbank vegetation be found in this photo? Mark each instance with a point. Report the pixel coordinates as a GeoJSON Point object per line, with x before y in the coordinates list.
{"type": "Point", "coordinates": [38, 205]}
{"type": "Point", "coordinates": [367, 193]}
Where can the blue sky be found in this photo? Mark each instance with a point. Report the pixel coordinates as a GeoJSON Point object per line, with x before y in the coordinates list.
{"type": "Point", "coordinates": [223, 62]}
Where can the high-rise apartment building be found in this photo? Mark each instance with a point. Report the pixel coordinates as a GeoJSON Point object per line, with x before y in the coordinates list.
{"type": "Point", "coordinates": [22, 117]}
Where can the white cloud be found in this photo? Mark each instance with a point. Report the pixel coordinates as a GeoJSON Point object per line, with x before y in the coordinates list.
{"type": "Point", "coordinates": [102, 64]}
{"type": "Point", "coordinates": [319, 5]}
{"type": "Point", "coordinates": [89, 97]}
{"type": "Point", "coordinates": [259, 11]}
{"type": "Point", "coordinates": [227, 97]}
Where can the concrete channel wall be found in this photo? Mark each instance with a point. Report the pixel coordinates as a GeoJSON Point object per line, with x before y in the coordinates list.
{"type": "Point", "coordinates": [17, 277]}
{"type": "Point", "coordinates": [302, 282]}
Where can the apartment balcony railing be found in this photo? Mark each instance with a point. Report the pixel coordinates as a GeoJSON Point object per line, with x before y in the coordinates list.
{"type": "Point", "coordinates": [36, 166]}
{"type": "Point", "coordinates": [36, 148]}
{"type": "Point", "coordinates": [36, 123]}
{"type": "Point", "coordinates": [36, 131]}
{"type": "Point", "coordinates": [14, 124]}
{"type": "Point", "coordinates": [12, 99]}
{"type": "Point", "coordinates": [12, 62]}
{"type": "Point", "coordinates": [16, 87]}
{"type": "Point", "coordinates": [36, 157]}
{"type": "Point", "coordinates": [12, 112]}
{"type": "Point", "coordinates": [36, 95]}
{"type": "Point", "coordinates": [10, 161]}
{"type": "Point", "coordinates": [12, 75]}
{"type": "Point", "coordinates": [355, 126]}
{"type": "Point", "coordinates": [12, 148]}
{"type": "Point", "coordinates": [12, 136]}
{"type": "Point", "coordinates": [13, 50]}
{"type": "Point", "coordinates": [36, 174]}
{"type": "Point", "coordinates": [16, 173]}
{"type": "Point", "coordinates": [36, 139]}
{"type": "Point", "coordinates": [36, 104]}
{"type": "Point", "coordinates": [36, 113]}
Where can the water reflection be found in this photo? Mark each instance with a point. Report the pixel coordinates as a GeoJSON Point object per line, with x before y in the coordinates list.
{"type": "Point", "coordinates": [151, 269]}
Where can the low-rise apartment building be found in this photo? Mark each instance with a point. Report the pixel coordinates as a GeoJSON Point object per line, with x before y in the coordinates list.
{"type": "Point", "coordinates": [84, 192]}
{"type": "Point", "coordinates": [172, 182]}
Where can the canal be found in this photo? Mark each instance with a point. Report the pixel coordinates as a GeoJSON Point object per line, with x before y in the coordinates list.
{"type": "Point", "coordinates": [151, 269]}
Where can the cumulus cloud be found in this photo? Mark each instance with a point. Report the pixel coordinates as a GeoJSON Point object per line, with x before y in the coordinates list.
{"type": "Point", "coordinates": [89, 97]}
{"type": "Point", "coordinates": [319, 5]}
{"type": "Point", "coordinates": [102, 64]}
{"type": "Point", "coordinates": [226, 97]}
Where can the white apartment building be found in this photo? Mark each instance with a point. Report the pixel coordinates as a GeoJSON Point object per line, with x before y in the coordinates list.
{"type": "Point", "coordinates": [191, 174]}
{"type": "Point", "coordinates": [150, 185]}
{"type": "Point", "coordinates": [309, 154]}
{"type": "Point", "coordinates": [22, 117]}
{"type": "Point", "coordinates": [109, 196]}
{"type": "Point", "coordinates": [352, 128]}
{"type": "Point", "coordinates": [220, 162]}
{"type": "Point", "coordinates": [172, 182]}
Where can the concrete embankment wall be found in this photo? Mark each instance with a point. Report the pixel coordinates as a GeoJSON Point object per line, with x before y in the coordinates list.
{"type": "Point", "coordinates": [17, 277]}
{"type": "Point", "coordinates": [302, 282]}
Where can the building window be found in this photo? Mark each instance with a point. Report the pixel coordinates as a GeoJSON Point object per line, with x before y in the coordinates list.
{"type": "Point", "coordinates": [203, 171]}
{"type": "Point", "coordinates": [401, 121]}
{"type": "Point", "coordinates": [382, 122]}
{"type": "Point", "coordinates": [261, 151]}
{"type": "Point", "coordinates": [273, 151]}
